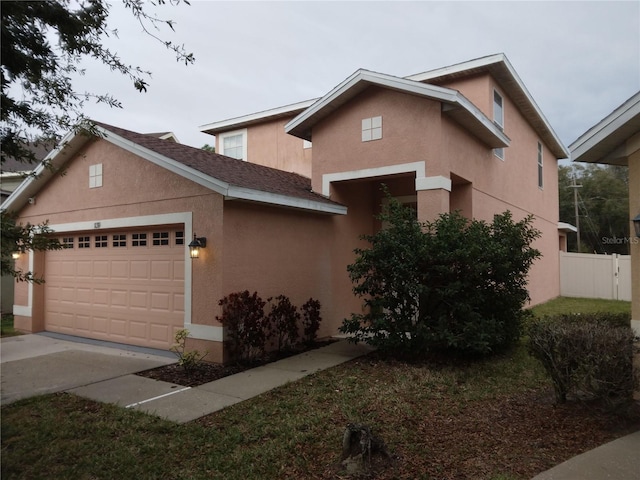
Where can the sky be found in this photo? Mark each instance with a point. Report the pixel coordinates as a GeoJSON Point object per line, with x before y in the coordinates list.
{"type": "Point", "coordinates": [579, 60]}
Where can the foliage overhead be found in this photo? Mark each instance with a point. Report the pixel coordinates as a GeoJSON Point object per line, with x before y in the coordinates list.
{"type": "Point", "coordinates": [43, 44]}
{"type": "Point", "coordinates": [603, 206]}
{"type": "Point", "coordinates": [453, 284]}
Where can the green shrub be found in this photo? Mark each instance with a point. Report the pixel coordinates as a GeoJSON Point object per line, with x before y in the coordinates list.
{"type": "Point", "coordinates": [189, 360]}
{"type": "Point", "coordinates": [586, 355]}
{"type": "Point", "coordinates": [453, 284]}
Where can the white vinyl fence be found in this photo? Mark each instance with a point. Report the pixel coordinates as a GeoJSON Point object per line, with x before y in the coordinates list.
{"type": "Point", "coordinates": [595, 276]}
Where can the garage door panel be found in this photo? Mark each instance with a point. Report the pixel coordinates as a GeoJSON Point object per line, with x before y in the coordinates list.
{"type": "Point", "coordinates": [130, 294]}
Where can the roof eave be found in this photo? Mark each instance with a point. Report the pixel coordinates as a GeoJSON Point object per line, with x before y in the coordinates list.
{"type": "Point", "coordinates": [455, 105]}
{"type": "Point", "coordinates": [254, 118]}
{"type": "Point", "coordinates": [46, 169]}
{"type": "Point", "coordinates": [604, 142]}
{"type": "Point", "coordinates": [500, 68]}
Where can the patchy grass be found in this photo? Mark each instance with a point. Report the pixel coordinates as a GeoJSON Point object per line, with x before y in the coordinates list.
{"type": "Point", "coordinates": [564, 305]}
{"type": "Point", "coordinates": [6, 327]}
{"type": "Point", "coordinates": [494, 419]}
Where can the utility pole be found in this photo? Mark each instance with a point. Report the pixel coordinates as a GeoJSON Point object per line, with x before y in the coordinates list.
{"type": "Point", "coordinates": [575, 206]}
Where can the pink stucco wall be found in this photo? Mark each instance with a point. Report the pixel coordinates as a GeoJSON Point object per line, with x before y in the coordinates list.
{"type": "Point", "coordinates": [269, 145]}
{"type": "Point", "coordinates": [132, 187]}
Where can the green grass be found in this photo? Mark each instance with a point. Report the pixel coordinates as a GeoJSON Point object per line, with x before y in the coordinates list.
{"type": "Point", "coordinates": [439, 419]}
{"type": "Point", "coordinates": [565, 305]}
{"type": "Point", "coordinates": [6, 327]}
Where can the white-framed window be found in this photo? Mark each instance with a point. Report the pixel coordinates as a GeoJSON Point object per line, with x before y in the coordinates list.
{"type": "Point", "coordinates": [95, 175]}
{"type": "Point", "coordinates": [233, 144]}
{"type": "Point", "coordinates": [371, 129]}
{"type": "Point", "coordinates": [160, 238]}
{"type": "Point", "coordinates": [67, 242]}
{"type": "Point", "coordinates": [540, 167]}
{"type": "Point", "coordinates": [498, 119]}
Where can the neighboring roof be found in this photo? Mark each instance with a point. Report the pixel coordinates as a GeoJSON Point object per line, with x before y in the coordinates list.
{"type": "Point", "coordinates": [235, 179]}
{"type": "Point", "coordinates": [605, 141]}
{"type": "Point", "coordinates": [499, 67]}
{"type": "Point", "coordinates": [455, 105]}
{"type": "Point", "coordinates": [165, 136]}
{"type": "Point", "coordinates": [259, 117]}
{"type": "Point", "coordinates": [566, 227]}
{"type": "Point", "coordinates": [11, 165]}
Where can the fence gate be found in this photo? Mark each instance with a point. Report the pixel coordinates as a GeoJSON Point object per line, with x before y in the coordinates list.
{"type": "Point", "coordinates": [595, 276]}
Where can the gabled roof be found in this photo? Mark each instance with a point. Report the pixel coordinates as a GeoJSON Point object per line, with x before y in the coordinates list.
{"type": "Point", "coordinates": [165, 136]}
{"type": "Point", "coordinates": [454, 104]}
{"type": "Point", "coordinates": [605, 141]}
{"type": "Point", "coordinates": [235, 179]}
{"type": "Point", "coordinates": [259, 117]}
{"type": "Point", "coordinates": [499, 67]}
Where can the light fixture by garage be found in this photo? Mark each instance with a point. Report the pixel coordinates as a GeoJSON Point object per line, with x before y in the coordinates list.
{"type": "Point", "coordinates": [196, 245]}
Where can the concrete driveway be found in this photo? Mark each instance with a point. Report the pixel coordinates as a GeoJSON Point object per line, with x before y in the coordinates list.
{"type": "Point", "coordinates": [38, 364]}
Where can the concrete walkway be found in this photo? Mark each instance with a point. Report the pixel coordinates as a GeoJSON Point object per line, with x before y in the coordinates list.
{"type": "Point", "coordinates": [38, 364]}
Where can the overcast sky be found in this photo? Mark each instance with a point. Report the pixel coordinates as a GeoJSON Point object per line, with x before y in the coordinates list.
{"type": "Point", "coordinates": [579, 60]}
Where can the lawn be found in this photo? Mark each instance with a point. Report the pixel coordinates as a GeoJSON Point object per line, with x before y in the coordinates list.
{"type": "Point", "coordinates": [6, 327]}
{"type": "Point", "coordinates": [494, 419]}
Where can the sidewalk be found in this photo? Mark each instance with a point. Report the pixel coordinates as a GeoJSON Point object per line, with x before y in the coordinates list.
{"type": "Point", "coordinates": [183, 404]}
{"type": "Point", "coordinates": [617, 460]}
{"type": "Point", "coordinates": [39, 364]}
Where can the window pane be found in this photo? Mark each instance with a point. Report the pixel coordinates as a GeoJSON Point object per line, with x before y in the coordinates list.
{"type": "Point", "coordinates": [498, 113]}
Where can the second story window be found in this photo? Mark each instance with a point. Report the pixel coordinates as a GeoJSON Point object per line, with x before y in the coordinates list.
{"type": "Point", "coordinates": [371, 129]}
{"type": "Point", "coordinates": [498, 119]}
{"type": "Point", "coordinates": [234, 144]}
{"type": "Point", "coordinates": [540, 170]}
{"type": "Point", "coordinates": [498, 109]}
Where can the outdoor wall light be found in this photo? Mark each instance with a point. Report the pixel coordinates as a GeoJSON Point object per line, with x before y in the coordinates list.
{"type": "Point", "coordinates": [15, 255]}
{"type": "Point", "coordinates": [636, 225]}
{"type": "Point", "coordinates": [196, 245]}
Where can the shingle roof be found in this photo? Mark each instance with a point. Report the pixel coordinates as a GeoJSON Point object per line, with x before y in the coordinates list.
{"type": "Point", "coordinates": [229, 170]}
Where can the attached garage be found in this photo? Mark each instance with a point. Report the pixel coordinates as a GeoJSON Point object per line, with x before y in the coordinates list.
{"type": "Point", "coordinates": [126, 209]}
{"type": "Point", "coordinates": [119, 286]}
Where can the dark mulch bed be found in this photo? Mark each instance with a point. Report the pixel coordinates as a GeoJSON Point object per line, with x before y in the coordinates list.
{"type": "Point", "coordinates": [206, 372]}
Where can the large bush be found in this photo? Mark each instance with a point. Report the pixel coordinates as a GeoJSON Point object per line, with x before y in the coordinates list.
{"type": "Point", "coordinates": [452, 284]}
{"type": "Point", "coordinates": [587, 356]}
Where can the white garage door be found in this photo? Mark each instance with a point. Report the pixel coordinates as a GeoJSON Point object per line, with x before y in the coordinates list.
{"type": "Point", "coordinates": [120, 286]}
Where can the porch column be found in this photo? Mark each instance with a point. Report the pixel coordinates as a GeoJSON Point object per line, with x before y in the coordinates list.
{"type": "Point", "coordinates": [433, 197]}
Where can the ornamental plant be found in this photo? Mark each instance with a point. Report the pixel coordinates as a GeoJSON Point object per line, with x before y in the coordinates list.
{"type": "Point", "coordinates": [243, 317]}
{"type": "Point", "coordinates": [454, 284]}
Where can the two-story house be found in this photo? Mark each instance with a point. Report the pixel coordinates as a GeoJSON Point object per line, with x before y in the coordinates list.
{"type": "Point", "coordinates": [283, 204]}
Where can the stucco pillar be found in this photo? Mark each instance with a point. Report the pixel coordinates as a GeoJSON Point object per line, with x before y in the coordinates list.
{"type": "Point", "coordinates": [432, 203]}
{"type": "Point", "coordinates": [634, 210]}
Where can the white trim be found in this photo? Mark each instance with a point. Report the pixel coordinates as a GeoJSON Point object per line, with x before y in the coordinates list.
{"type": "Point", "coordinates": [456, 105]}
{"type": "Point", "coordinates": [23, 310]}
{"type": "Point", "coordinates": [604, 129]}
{"type": "Point", "coordinates": [110, 223]}
{"type": "Point", "coordinates": [205, 332]}
{"type": "Point", "coordinates": [433, 183]}
{"type": "Point", "coordinates": [329, 178]}
{"type": "Point", "coordinates": [185, 218]}
{"type": "Point", "coordinates": [27, 310]}
{"type": "Point", "coordinates": [221, 138]}
{"type": "Point", "coordinates": [566, 226]}
{"type": "Point", "coordinates": [241, 193]}
{"type": "Point", "coordinates": [255, 117]}
{"type": "Point", "coordinates": [178, 168]}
